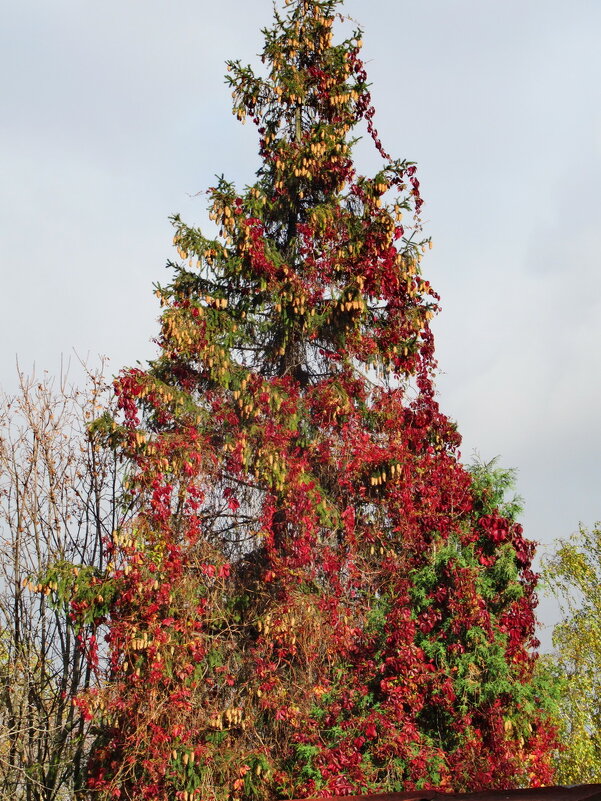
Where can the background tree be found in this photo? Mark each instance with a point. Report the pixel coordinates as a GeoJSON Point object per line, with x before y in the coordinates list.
{"type": "Point", "coordinates": [316, 596]}
{"type": "Point", "coordinates": [57, 502]}
{"type": "Point", "coordinates": [574, 574]}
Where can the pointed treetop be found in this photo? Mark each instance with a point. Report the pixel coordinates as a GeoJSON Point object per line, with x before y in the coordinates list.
{"type": "Point", "coordinates": [315, 93]}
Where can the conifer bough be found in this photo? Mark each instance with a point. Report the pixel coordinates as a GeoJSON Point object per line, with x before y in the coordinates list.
{"type": "Point", "coordinates": [316, 597]}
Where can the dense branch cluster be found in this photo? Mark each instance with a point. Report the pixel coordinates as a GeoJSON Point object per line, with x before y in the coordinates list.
{"type": "Point", "coordinates": [57, 503]}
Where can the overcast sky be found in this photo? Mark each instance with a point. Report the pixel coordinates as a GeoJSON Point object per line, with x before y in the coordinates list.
{"type": "Point", "coordinates": [114, 115]}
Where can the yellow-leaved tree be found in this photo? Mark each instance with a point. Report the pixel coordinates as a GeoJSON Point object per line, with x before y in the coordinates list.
{"type": "Point", "coordinates": [573, 573]}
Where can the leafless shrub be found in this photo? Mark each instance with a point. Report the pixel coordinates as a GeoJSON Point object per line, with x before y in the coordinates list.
{"type": "Point", "coordinates": [58, 499]}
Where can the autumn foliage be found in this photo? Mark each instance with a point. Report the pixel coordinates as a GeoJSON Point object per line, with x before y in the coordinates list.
{"type": "Point", "coordinates": [573, 572]}
{"type": "Point", "coordinates": [316, 597]}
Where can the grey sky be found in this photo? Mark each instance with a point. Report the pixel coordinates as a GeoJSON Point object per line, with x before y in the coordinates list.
{"type": "Point", "coordinates": [114, 115]}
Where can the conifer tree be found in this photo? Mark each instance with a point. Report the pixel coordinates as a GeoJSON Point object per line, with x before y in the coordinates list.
{"type": "Point", "coordinates": [316, 597]}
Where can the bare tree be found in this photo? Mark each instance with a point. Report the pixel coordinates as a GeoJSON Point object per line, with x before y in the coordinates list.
{"type": "Point", "coordinates": [58, 500]}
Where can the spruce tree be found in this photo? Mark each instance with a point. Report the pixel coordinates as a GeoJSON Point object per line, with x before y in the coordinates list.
{"type": "Point", "coordinates": [316, 597]}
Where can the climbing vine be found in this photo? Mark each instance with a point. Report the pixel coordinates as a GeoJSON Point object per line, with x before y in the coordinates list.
{"type": "Point", "coordinates": [315, 597]}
